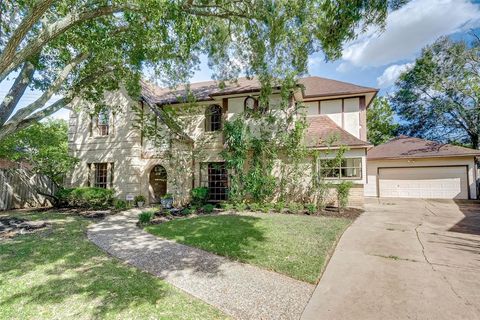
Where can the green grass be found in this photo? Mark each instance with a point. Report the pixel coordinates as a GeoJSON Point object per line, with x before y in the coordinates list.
{"type": "Point", "coordinates": [297, 246]}
{"type": "Point", "coordinates": [58, 274]}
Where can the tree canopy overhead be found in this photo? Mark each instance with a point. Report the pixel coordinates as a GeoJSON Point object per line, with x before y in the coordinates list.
{"type": "Point", "coordinates": [439, 98]}
{"type": "Point", "coordinates": [82, 48]}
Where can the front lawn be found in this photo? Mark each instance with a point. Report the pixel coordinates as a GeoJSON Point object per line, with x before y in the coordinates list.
{"type": "Point", "coordinates": [57, 273]}
{"type": "Point", "coordinates": [297, 246]}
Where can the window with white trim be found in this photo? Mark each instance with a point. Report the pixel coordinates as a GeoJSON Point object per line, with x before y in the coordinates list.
{"type": "Point", "coordinates": [349, 168]}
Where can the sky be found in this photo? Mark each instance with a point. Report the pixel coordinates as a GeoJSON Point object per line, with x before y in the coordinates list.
{"type": "Point", "coordinates": [374, 59]}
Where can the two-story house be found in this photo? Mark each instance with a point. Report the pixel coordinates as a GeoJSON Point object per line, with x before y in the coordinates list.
{"type": "Point", "coordinates": [114, 152]}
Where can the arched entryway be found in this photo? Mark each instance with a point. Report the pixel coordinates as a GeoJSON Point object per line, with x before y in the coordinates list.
{"type": "Point", "coordinates": [158, 182]}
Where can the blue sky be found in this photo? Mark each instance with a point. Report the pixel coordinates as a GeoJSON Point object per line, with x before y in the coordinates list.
{"type": "Point", "coordinates": [376, 59]}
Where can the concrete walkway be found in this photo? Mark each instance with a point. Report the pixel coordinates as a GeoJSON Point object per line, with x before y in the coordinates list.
{"type": "Point", "coordinates": [404, 259]}
{"type": "Point", "coordinates": [240, 290]}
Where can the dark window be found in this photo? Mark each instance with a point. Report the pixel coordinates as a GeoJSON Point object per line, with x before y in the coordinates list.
{"type": "Point", "coordinates": [213, 118]}
{"type": "Point", "coordinates": [103, 120]}
{"type": "Point", "coordinates": [350, 168]}
{"type": "Point", "coordinates": [214, 176]}
{"type": "Point", "coordinates": [101, 175]}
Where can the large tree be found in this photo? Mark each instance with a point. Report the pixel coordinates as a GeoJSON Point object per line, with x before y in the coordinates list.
{"type": "Point", "coordinates": [380, 121]}
{"type": "Point", "coordinates": [439, 98]}
{"type": "Point", "coordinates": [43, 145]}
{"type": "Point", "coordinates": [82, 48]}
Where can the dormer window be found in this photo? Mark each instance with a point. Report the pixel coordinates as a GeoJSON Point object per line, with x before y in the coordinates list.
{"type": "Point", "coordinates": [103, 120]}
{"type": "Point", "coordinates": [213, 118]}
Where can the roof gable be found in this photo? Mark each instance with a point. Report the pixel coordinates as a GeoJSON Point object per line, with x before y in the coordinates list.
{"type": "Point", "coordinates": [321, 129]}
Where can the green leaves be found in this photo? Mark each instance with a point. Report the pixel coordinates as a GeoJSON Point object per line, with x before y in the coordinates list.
{"type": "Point", "coordinates": [439, 97]}
{"type": "Point", "coordinates": [380, 121]}
{"type": "Point", "coordinates": [44, 145]}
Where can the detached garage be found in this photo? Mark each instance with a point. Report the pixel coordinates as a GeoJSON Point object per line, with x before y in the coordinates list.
{"type": "Point", "coordinates": [408, 167]}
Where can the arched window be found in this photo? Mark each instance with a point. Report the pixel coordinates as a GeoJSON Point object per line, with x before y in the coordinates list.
{"type": "Point", "coordinates": [213, 118]}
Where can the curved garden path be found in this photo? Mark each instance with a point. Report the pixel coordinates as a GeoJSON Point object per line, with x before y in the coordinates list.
{"type": "Point", "coordinates": [240, 290]}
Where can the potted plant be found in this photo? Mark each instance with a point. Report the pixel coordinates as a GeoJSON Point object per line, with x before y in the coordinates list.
{"type": "Point", "coordinates": [139, 200]}
{"type": "Point", "coordinates": [167, 201]}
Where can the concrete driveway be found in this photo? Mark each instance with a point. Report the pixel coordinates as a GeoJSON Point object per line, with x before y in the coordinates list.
{"type": "Point", "coordinates": [404, 259]}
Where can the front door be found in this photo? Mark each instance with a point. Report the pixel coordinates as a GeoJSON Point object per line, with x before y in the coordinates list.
{"type": "Point", "coordinates": [158, 182]}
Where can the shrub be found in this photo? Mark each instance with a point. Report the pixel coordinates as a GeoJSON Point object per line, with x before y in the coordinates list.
{"type": "Point", "coordinates": [120, 204]}
{"type": "Point", "coordinates": [168, 196]}
{"type": "Point", "coordinates": [208, 208]}
{"type": "Point", "coordinates": [87, 197]}
{"type": "Point", "coordinates": [311, 208]}
{"type": "Point", "coordinates": [145, 217]}
{"type": "Point", "coordinates": [343, 193]}
{"type": "Point", "coordinates": [227, 206]}
{"type": "Point", "coordinates": [139, 198]}
{"type": "Point", "coordinates": [294, 207]}
{"type": "Point", "coordinates": [266, 207]}
{"type": "Point", "coordinates": [186, 211]}
{"type": "Point", "coordinates": [279, 206]}
{"type": "Point", "coordinates": [240, 206]}
{"type": "Point", "coordinates": [254, 206]}
{"type": "Point", "coordinates": [199, 195]}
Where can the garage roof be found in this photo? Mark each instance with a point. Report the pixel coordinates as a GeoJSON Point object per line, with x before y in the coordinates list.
{"type": "Point", "coordinates": [409, 147]}
{"type": "Point", "coordinates": [206, 90]}
{"type": "Point", "coordinates": [324, 132]}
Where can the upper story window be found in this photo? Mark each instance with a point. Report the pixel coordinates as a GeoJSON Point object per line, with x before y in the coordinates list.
{"type": "Point", "coordinates": [103, 121]}
{"type": "Point", "coordinates": [350, 168]}
{"type": "Point", "coordinates": [213, 118]}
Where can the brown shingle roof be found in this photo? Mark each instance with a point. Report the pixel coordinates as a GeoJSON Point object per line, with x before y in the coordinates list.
{"type": "Point", "coordinates": [318, 87]}
{"type": "Point", "coordinates": [408, 147]}
{"type": "Point", "coordinates": [204, 91]}
{"type": "Point", "coordinates": [322, 130]}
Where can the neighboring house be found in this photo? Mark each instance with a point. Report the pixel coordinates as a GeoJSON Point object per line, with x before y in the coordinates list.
{"type": "Point", "coordinates": [114, 153]}
{"type": "Point", "coordinates": [417, 168]}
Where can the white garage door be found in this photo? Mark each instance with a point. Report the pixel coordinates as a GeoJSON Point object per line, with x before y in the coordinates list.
{"type": "Point", "coordinates": [424, 182]}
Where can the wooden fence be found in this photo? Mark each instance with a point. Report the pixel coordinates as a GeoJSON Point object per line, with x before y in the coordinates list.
{"type": "Point", "coordinates": [19, 188]}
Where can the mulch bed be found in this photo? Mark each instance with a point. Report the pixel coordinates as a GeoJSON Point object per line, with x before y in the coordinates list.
{"type": "Point", "coordinates": [11, 226]}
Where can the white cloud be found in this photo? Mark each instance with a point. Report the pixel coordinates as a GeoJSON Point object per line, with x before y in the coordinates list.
{"type": "Point", "coordinates": [408, 29]}
{"type": "Point", "coordinates": [391, 74]}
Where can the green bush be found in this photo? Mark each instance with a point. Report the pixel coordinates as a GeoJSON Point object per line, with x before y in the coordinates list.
{"type": "Point", "coordinates": [168, 196]}
{"type": "Point", "coordinates": [187, 211]}
{"type": "Point", "coordinates": [279, 206]}
{"type": "Point", "coordinates": [145, 217]}
{"type": "Point", "coordinates": [227, 206]}
{"type": "Point", "coordinates": [311, 208]}
{"type": "Point", "coordinates": [240, 206]}
{"type": "Point", "coordinates": [254, 206]}
{"type": "Point", "coordinates": [208, 208]}
{"type": "Point", "coordinates": [87, 197]}
{"type": "Point", "coordinates": [139, 198]}
{"type": "Point", "coordinates": [120, 204]}
{"type": "Point", "coordinates": [199, 195]}
{"type": "Point", "coordinates": [343, 193]}
{"type": "Point", "coordinates": [266, 207]}
{"type": "Point", "coordinates": [294, 207]}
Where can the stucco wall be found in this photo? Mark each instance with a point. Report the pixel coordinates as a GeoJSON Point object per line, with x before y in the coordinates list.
{"type": "Point", "coordinates": [373, 165]}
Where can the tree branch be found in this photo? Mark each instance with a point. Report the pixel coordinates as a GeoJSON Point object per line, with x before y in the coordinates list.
{"type": "Point", "coordinates": [11, 128]}
{"type": "Point", "coordinates": [25, 26]}
{"type": "Point", "coordinates": [16, 91]}
{"type": "Point", "coordinates": [47, 94]}
{"type": "Point", "coordinates": [54, 30]}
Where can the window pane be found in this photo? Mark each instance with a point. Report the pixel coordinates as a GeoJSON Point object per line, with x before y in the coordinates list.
{"type": "Point", "coordinates": [101, 175]}
{"type": "Point", "coordinates": [103, 122]}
